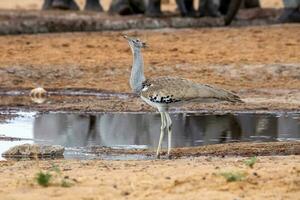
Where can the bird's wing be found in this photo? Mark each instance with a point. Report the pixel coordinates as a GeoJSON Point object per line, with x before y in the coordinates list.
{"type": "Point", "coordinates": [173, 89]}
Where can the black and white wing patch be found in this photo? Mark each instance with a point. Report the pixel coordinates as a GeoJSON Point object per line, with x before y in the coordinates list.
{"type": "Point", "coordinates": [163, 99]}
{"type": "Point", "coordinates": [153, 92]}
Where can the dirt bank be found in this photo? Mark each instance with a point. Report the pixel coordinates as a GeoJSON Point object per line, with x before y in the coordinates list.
{"type": "Point", "coordinates": [259, 63]}
{"type": "Point", "coordinates": [231, 149]}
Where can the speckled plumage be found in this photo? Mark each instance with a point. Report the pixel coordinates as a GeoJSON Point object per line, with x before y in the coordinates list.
{"type": "Point", "coordinates": [173, 90]}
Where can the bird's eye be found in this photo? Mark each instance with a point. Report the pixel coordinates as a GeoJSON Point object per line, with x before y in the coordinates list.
{"type": "Point", "coordinates": [137, 40]}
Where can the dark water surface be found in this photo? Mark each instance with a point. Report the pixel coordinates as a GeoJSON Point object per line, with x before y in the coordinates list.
{"type": "Point", "coordinates": [78, 131]}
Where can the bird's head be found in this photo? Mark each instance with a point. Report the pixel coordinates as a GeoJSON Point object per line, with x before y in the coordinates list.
{"type": "Point", "coordinates": [135, 43]}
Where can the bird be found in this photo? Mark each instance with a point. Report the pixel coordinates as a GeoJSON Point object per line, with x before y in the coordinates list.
{"type": "Point", "coordinates": [163, 93]}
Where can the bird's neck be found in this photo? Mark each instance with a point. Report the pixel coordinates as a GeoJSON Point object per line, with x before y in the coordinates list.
{"type": "Point", "coordinates": [137, 72]}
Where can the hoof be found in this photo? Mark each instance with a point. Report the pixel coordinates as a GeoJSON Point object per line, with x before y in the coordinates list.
{"type": "Point", "coordinates": [94, 9]}
{"type": "Point", "coordinates": [154, 14]}
{"type": "Point", "coordinates": [289, 15]}
{"type": "Point", "coordinates": [47, 5]}
{"type": "Point", "coordinates": [125, 10]}
{"type": "Point", "coordinates": [251, 4]}
{"type": "Point", "coordinates": [93, 6]}
{"type": "Point", "coordinates": [121, 8]}
{"type": "Point", "coordinates": [189, 14]}
{"type": "Point", "coordinates": [64, 5]}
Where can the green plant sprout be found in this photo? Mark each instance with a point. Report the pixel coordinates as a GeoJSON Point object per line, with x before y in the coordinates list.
{"type": "Point", "coordinates": [251, 161]}
{"type": "Point", "coordinates": [233, 176]}
{"type": "Point", "coordinates": [43, 178]}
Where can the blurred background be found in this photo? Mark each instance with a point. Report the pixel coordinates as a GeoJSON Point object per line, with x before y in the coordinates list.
{"type": "Point", "coordinates": [167, 4]}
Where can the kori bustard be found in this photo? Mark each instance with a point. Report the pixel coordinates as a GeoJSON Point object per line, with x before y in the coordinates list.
{"type": "Point", "coordinates": [165, 92]}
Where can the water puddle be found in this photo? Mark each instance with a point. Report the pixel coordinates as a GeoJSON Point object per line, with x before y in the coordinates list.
{"type": "Point", "coordinates": [79, 132]}
{"type": "Point", "coordinates": [70, 92]}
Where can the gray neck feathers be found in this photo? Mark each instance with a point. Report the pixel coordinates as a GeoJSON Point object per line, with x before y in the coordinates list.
{"type": "Point", "coordinates": [137, 72]}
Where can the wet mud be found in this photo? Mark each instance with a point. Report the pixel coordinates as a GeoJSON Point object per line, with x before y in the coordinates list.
{"type": "Point", "coordinates": [245, 149]}
{"type": "Point", "coordinates": [86, 101]}
{"type": "Point", "coordinates": [135, 135]}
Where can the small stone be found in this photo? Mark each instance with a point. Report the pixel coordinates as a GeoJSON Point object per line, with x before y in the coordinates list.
{"type": "Point", "coordinates": [125, 193]}
{"type": "Point", "coordinates": [255, 174]}
{"type": "Point", "coordinates": [65, 45]}
{"type": "Point", "coordinates": [11, 71]}
{"type": "Point", "coordinates": [38, 92]}
{"type": "Point", "coordinates": [34, 150]}
{"type": "Point", "coordinates": [38, 95]}
{"type": "Point", "coordinates": [75, 180]}
{"type": "Point", "coordinates": [173, 49]}
{"type": "Point", "coordinates": [90, 46]}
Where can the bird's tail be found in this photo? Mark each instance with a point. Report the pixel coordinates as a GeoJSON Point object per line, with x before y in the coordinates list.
{"type": "Point", "coordinates": [226, 95]}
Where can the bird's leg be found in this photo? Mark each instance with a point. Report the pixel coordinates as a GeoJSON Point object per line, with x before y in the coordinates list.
{"type": "Point", "coordinates": [169, 128]}
{"type": "Point", "coordinates": [162, 132]}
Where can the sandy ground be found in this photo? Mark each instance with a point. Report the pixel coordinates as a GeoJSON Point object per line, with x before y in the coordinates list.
{"type": "Point", "coordinates": [231, 57]}
{"type": "Point", "coordinates": [154, 179]}
{"type": "Point", "coordinates": [259, 63]}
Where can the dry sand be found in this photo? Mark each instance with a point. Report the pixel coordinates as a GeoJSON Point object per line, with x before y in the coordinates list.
{"type": "Point", "coordinates": [196, 178]}
{"type": "Point", "coordinates": [231, 57]}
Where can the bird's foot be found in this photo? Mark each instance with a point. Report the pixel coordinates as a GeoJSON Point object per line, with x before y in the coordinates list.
{"type": "Point", "coordinates": [158, 156]}
{"type": "Point", "coordinates": [168, 155]}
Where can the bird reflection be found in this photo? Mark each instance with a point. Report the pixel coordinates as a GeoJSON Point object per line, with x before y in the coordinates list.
{"type": "Point", "coordinates": [80, 130]}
